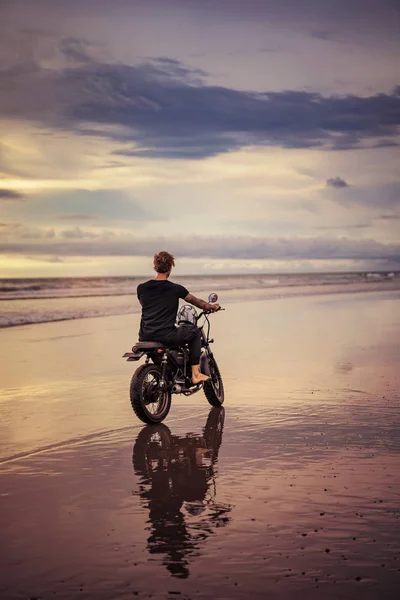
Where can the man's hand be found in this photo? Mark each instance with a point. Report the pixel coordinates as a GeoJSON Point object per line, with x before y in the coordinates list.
{"type": "Point", "coordinates": [212, 307]}
{"type": "Point", "coordinates": [202, 304]}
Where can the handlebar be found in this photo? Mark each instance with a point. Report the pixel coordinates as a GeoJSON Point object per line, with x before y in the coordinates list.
{"type": "Point", "coordinates": [208, 312]}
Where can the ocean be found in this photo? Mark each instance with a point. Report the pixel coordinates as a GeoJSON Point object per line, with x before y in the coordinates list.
{"type": "Point", "coordinates": [41, 300]}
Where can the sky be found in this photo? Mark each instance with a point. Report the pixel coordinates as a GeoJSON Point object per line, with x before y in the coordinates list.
{"type": "Point", "coordinates": [240, 135]}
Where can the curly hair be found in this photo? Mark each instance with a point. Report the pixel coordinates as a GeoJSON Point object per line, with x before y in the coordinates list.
{"type": "Point", "coordinates": [163, 262]}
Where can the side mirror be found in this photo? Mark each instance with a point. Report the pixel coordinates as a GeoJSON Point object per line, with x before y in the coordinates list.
{"type": "Point", "coordinates": [212, 298]}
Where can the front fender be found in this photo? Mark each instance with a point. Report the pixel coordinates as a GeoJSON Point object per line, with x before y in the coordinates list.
{"type": "Point", "coordinates": [204, 368]}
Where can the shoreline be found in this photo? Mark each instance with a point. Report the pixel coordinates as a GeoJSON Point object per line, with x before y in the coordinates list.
{"type": "Point", "coordinates": [227, 296]}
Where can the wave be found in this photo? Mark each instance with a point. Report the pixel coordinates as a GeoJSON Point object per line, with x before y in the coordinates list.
{"type": "Point", "coordinates": [25, 288]}
{"type": "Point", "coordinates": [15, 320]}
{"type": "Point", "coordinates": [79, 287]}
{"type": "Point", "coordinates": [30, 311]}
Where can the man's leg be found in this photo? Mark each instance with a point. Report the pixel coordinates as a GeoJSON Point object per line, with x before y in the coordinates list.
{"type": "Point", "coordinates": [191, 336]}
{"type": "Point", "coordinates": [195, 350]}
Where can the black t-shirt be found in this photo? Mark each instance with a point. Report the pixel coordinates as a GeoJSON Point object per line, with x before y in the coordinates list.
{"type": "Point", "coordinates": [160, 301]}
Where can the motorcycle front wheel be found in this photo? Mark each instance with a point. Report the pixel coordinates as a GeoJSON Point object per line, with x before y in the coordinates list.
{"type": "Point", "coordinates": [214, 388]}
{"type": "Point", "coordinates": [149, 403]}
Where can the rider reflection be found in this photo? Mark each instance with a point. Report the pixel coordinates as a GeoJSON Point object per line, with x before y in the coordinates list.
{"type": "Point", "coordinates": [177, 485]}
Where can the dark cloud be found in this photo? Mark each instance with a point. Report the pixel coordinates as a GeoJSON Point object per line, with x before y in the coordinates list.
{"type": "Point", "coordinates": [168, 116]}
{"type": "Point", "coordinates": [336, 182]}
{"type": "Point", "coordinates": [10, 195]}
{"type": "Point", "coordinates": [164, 109]}
{"type": "Point", "coordinates": [81, 242]}
{"type": "Point", "coordinates": [293, 9]}
{"type": "Point", "coordinates": [326, 15]}
{"type": "Point", "coordinates": [386, 144]}
{"type": "Point", "coordinates": [171, 67]}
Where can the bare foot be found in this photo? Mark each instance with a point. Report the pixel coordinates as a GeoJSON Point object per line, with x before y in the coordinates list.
{"type": "Point", "coordinates": [200, 454]}
{"type": "Point", "coordinates": [199, 377]}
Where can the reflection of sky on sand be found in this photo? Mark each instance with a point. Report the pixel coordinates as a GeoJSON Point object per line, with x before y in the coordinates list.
{"type": "Point", "coordinates": [64, 380]}
{"type": "Point", "coordinates": [307, 471]}
{"type": "Point", "coordinates": [292, 348]}
{"type": "Point", "coordinates": [307, 504]}
{"type": "Point", "coordinates": [287, 493]}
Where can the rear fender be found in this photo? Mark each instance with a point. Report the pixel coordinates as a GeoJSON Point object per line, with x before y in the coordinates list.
{"type": "Point", "coordinates": [133, 355]}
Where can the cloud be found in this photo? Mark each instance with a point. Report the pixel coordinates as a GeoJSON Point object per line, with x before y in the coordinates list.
{"type": "Point", "coordinates": [163, 108]}
{"type": "Point", "coordinates": [339, 13]}
{"type": "Point", "coordinates": [12, 231]}
{"type": "Point", "coordinates": [171, 67]}
{"type": "Point", "coordinates": [78, 234]}
{"type": "Point", "coordinates": [343, 226]}
{"type": "Point", "coordinates": [76, 49]}
{"type": "Point", "coordinates": [373, 197]}
{"type": "Point", "coordinates": [77, 217]}
{"type": "Point", "coordinates": [386, 144]}
{"type": "Point", "coordinates": [10, 195]}
{"type": "Point", "coordinates": [336, 182]}
{"type": "Point", "coordinates": [109, 205]}
{"type": "Point", "coordinates": [324, 34]}
{"type": "Point", "coordinates": [79, 242]}
{"type": "Point", "coordinates": [46, 259]}
{"type": "Point", "coordinates": [389, 217]}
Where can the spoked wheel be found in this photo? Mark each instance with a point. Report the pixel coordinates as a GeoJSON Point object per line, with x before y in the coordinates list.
{"type": "Point", "coordinates": [150, 452]}
{"type": "Point", "coordinates": [213, 430]}
{"type": "Point", "coordinates": [214, 388]}
{"type": "Point", "coordinates": [150, 404]}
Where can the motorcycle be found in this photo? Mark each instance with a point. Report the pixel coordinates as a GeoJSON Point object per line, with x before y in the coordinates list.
{"type": "Point", "coordinates": [167, 370]}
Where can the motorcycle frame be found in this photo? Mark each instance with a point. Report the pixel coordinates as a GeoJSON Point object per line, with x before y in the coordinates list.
{"type": "Point", "coordinates": [163, 357]}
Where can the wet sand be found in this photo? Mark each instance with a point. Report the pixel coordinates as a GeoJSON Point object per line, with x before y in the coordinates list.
{"type": "Point", "coordinates": [291, 491]}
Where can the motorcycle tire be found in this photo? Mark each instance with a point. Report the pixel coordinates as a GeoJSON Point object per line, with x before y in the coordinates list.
{"type": "Point", "coordinates": [213, 430]}
{"type": "Point", "coordinates": [149, 404]}
{"type": "Point", "coordinates": [151, 448]}
{"type": "Point", "coordinates": [214, 387]}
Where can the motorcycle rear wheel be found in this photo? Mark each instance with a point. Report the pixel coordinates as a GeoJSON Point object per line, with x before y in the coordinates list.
{"type": "Point", "coordinates": [214, 387]}
{"type": "Point", "coordinates": [150, 452]}
{"type": "Point", "coordinates": [148, 402]}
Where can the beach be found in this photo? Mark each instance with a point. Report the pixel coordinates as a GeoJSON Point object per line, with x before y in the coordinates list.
{"type": "Point", "coordinates": [290, 491]}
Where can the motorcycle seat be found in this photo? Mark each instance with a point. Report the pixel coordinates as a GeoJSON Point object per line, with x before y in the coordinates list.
{"type": "Point", "coordinates": [147, 346]}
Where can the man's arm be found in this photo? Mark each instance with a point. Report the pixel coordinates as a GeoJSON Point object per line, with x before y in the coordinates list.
{"type": "Point", "coordinates": [202, 304]}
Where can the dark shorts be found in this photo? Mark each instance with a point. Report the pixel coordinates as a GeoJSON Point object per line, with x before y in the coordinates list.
{"type": "Point", "coordinates": [180, 335]}
{"type": "Point", "coordinates": [185, 334]}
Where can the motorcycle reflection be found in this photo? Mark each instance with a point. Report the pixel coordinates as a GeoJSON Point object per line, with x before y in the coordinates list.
{"type": "Point", "coordinates": [178, 486]}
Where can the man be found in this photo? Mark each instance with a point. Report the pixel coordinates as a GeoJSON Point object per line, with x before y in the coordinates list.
{"type": "Point", "coordinates": [160, 301]}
